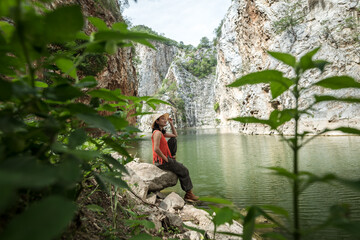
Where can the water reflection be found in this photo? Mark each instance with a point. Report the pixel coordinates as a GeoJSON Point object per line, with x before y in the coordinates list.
{"type": "Point", "coordinates": [231, 166]}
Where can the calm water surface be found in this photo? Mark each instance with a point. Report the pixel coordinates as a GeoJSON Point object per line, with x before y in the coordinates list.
{"type": "Point", "coordinates": [230, 166]}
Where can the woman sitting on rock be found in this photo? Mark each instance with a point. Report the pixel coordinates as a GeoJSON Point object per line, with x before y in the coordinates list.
{"type": "Point", "coordinates": [164, 153]}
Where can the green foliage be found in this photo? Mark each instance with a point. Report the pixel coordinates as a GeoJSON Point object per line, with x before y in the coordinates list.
{"type": "Point", "coordinates": [216, 107]}
{"type": "Point", "coordinates": [146, 29]}
{"type": "Point", "coordinates": [201, 63]}
{"type": "Point", "coordinates": [292, 16]}
{"type": "Point", "coordinates": [93, 64]}
{"type": "Point", "coordinates": [300, 180]}
{"type": "Point", "coordinates": [47, 143]}
{"type": "Point", "coordinates": [204, 43]}
{"type": "Point", "coordinates": [217, 32]}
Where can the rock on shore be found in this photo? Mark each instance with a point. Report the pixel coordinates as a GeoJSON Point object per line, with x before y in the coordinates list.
{"type": "Point", "coordinates": [146, 180]}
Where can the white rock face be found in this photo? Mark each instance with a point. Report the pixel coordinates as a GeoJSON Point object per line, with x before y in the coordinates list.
{"type": "Point", "coordinates": [248, 32]}
{"type": "Point", "coordinates": [152, 66]}
{"type": "Point", "coordinates": [192, 98]}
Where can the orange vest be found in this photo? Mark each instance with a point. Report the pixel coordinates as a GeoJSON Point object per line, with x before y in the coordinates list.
{"type": "Point", "coordinates": [164, 148]}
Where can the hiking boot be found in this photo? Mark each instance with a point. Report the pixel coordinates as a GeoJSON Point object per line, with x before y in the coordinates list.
{"type": "Point", "coordinates": [191, 197]}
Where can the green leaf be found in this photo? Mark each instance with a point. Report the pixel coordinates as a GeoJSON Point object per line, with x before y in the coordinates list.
{"type": "Point", "coordinates": [115, 163]}
{"type": "Point", "coordinates": [355, 184]}
{"type": "Point", "coordinates": [157, 101]}
{"type": "Point", "coordinates": [195, 229]}
{"type": "Point", "coordinates": [265, 76]}
{"type": "Point", "coordinates": [66, 66]}
{"type": "Point", "coordinates": [26, 172]}
{"type": "Point", "coordinates": [283, 172]}
{"type": "Point", "coordinates": [117, 147]}
{"type": "Point", "coordinates": [141, 236]}
{"type": "Point", "coordinates": [272, 235]}
{"type": "Point", "coordinates": [306, 61]}
{"type": "Point", "coordinates": [277, 88]}
{"type": "Point", "coordinates": [43, 220]}
{"type": "Point", "coordinates": [144, 42]}
{"type": "Point", "coordinates": [348, 130]}
{"type": "Point", "coordinates": [249, 224]}
{"type": "Point", "coordinates": [101, 183]}
{"type": "Point", "coordinates": [338, 82]}
{"type": "Point", "coordinates": [278, 118]}
{"type": "Point", "coordinates": [105, 94]}
{"type": "Point", "coordinates": [5, 90]}
{"type": "Point", "coordinates": [120, 26]}
{"type": "Point", "coordinates": [87, 82]}
{"type": "Point", "coordinates": [278, 83]}
{"type": "Point", "coordinates": [6, 6]}
{"type": "Point", "coordinates": [7, 29]}
{"type": "Point", "coordinates": [286, 58]}
{"type": "Point", "coordinates": [107, 107]}
{"type": "Point", "coordinates": [252, 120]}
{"type": "Point", "coordinates": [116, 181]}
{"type": "Point", "coordinates": [229, 234]}
{"type": "Point", "coordinates": [41, 84]}
{"type": "Point", "coordinates": [63, 23]}
{"type": "Point", "coordinates": [276, 210]}
{"type": "Point", "coordinates": [97, 121]}
{"type": "Point", "coordinates": [80, 108]}
{"type": "Point", "coordinates": [98, 23]}
{"type": "Point", "coordinates": [95, 208]}
{"type": "Point", "coordinates": [320, 64]}
{"type": "Point", "coordinates": [8, 197]}
{"type": "Point", "coordinates": [118, 122]}
{"type": "Point", "coordinates": [119, 36]}
{"type": "Point", "coordinates": [216, 200]}
{"type": "Point", "coordinates": [111, 47]}
{"type": "Point", "coordinates": [82, 36]}
{"type": "Point", "coordinates": [81, 154]}
{"type": "Point", "coordinates": [223, 215]}
{"type": "Point", "coordinates": [145, 223]}
{"type": "Point", "coordinates": [77, 138]}
{"type": "Point", "coordinates": [62, 92]}
{"type": "Point", "coordinates": [324, 98]}
{"type": "Point", "coordinates": [69, 173]}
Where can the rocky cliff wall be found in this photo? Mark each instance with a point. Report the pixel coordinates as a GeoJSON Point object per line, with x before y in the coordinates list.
{"type": "Point", "coordinates": [162, 73]}
{"type": "Point", "coordinates": [249, 30]}
{"type": "Point", "coordinates": [119, 73]}
{"type": "Point", "coordinates": [152, 66]}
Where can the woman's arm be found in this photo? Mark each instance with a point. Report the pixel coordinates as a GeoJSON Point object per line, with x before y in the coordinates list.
{"type": "Point", "coordinates": [157, 137]}
{"type": "Point", "coordinates": [174, 133]}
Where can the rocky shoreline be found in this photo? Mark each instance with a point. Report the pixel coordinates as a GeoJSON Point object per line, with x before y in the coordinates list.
{"type": "Point", "coordinates": [146, 181]}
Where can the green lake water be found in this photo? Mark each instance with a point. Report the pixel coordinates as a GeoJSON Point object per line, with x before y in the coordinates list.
{"type": "Point", "coordinates": [230, 166]}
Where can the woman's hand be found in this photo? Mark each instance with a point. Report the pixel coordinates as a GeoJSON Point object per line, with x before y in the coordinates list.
{"type": "Point", "coordinates": [170, 121]}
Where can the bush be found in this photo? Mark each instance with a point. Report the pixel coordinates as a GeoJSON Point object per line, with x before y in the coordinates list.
{"type": "Point", "coordinates": [45, 129]}
{"type": "Point", "coordinates": [201, 64]}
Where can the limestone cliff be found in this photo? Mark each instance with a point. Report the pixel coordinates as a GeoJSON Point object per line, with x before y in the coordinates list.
{"type": "Point", "coordinates": [152, 66]}
{"type": "Point", "coordinates": [163, 73]}
{"type": "Point", "coordinates": [251, 27]}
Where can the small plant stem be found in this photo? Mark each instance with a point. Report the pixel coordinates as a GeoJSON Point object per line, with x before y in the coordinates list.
{"type": "Point", "coordinates": [20, 32]}
{"type": "Point", "coordinates": [296, 155]}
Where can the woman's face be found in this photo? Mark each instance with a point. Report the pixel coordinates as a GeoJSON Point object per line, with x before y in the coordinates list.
{"type": "Point", "coordinates": [162, 121]}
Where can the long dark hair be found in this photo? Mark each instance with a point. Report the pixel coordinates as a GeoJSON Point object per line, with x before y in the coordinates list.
{"type": "Point", "coordinates": [157, 127]}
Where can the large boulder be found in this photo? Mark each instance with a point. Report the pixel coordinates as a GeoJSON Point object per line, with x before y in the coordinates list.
{"type": "Point", "coordinates": [146, 177]}
{"type": "Point", "coordinates": [172, 202]}
{"type": "Point", "coordinates": [198, 218]}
